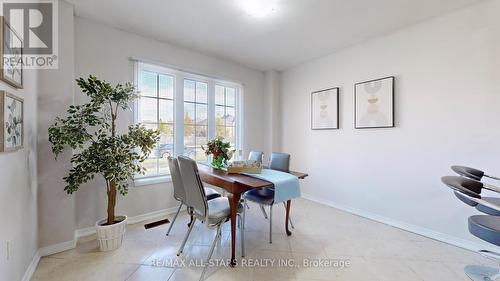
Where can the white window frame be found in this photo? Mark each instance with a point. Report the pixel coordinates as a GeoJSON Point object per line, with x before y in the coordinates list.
{"type": "Point", "coordinates": [179, 77]}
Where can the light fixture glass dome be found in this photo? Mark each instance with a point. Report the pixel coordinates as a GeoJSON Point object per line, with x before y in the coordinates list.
{"type": "Point", "coordinates": [258, 8]}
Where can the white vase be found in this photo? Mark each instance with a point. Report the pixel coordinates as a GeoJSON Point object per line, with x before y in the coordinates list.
{"type": "Point", "coordinates": [110, 236]}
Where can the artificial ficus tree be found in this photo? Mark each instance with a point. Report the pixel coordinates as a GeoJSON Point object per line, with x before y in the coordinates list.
{"type": "Point", "coordinates": [90, 130]}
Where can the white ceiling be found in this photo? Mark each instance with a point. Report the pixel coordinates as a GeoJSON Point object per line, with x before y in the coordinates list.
{"type": "Point", "coordinates": [295, 32]}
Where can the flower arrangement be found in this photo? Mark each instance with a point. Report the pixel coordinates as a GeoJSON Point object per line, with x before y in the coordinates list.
{"type": "Point", "coordinates": [220, 150]}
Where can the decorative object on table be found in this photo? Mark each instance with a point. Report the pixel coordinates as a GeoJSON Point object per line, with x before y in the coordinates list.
{"type": "Point", "coordinates": [245, 166]}
{"type": "Point", "coordinates": [11, 118]}
{"type": "Point", "coordinates": [325, 109]}
{"type": "Point", "coordinates": [374, 103]}
{"type": "Point", "coordinates": [220, 150]}
{"type": "Point", "coordinates": [90, 129]}
{"type": "Point", "coordinates": [11, 53]}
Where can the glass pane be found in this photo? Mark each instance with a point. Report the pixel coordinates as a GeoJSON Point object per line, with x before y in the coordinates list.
{"type": "Point", "coordinates": [166, 86]}
{"type": "Point", "coordinates": [166, 111]}
{"type": "Point", "coordinates": [154, 152]}
{"type": "Point", "coordinates": [201, 135]}
{"type": "Point", "coordinates": [163, 166]}
{"type": "Point", "coordinates": [201, 92]}
{"type": "Point", "coordinates": [200, 155]}
{"type": "Point", "coordinates": [147, 110]}
{"type": "Point", "coordinates": [189, 90]}
{"type": "Point", "coordinates": [150, 165]}
{"type": "Point", "coordinates": [188, 113]}
{"type": "Point", "coordinates": [189, 135]}
{"type": "Point", "coordinates": [220, 131]}
{"type": "Point", "coordinates": [230, 96]}
{"type": "Point", "coordinates": [165, 150]}
{"type": "Point", "coordinates": [219, 115]}
{"type": "Point", "coordinates": [230, 135]}
{"type": "Point", "coordinates": [230, 117]}
{"type": "Point", "coordinates": [166, 133]}
{"type": "Point", "coordinates": [190, 152]}
{"type": "Point", "coordinates": [201, 114]}
{"type": "Point", "coordinates": [148, 84]}
{"type": "Point", "coordinates": [219, 95]}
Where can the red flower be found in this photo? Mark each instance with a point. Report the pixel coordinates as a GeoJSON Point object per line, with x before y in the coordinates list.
{"type": "Point", "coordinates": [216, 154]}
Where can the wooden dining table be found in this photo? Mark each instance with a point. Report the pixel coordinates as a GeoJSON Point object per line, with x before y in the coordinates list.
{"type": "Point", "coordinates": [235, 185]}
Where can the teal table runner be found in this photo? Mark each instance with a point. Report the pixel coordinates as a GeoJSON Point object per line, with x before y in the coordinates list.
{"type": "Point", "coordinates": [286, 186]}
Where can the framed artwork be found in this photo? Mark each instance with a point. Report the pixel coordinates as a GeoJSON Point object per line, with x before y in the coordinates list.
{"type": "Point", "coordinates": [374, 103]}
{"type": "Point", "coordinates": [325, 109]}
{"type": "Point", "coordinates": [11, 51]}
{"type": "Point", "coordinates": [11, 118]}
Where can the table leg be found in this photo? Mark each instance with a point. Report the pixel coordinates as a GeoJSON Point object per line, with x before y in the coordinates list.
{"type": "Point", "coordinates": [287, 217]}
{"type": "Point", "coordinates": [234, 200]}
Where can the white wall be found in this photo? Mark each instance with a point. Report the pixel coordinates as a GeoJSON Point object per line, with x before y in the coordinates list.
{"type": "Point", "coordinates": [56, 208]}
{"type": "Point", "coordinates": [104, 51]}
{"type": "Point", "coordinates": [18, 190]}
{"type": "Point", "coordinates": [272, 102]}
{"type": "Point", "coordinates": [447, 112]}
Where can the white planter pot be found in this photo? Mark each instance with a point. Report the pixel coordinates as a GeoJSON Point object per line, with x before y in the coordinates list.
{"type": "Point", "coordinates": [110, 236]}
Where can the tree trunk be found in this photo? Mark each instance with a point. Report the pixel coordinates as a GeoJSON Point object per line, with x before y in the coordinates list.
{"type": "Point", "coordinates": [111, 202]}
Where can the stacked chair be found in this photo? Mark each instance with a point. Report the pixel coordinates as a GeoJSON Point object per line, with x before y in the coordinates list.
{"type": "Point", "coordinates": [212, 213]}
{"type": "Point", "coordinates": [468, 188]}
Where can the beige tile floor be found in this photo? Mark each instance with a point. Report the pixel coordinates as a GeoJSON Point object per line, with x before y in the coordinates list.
{"type": "Point", "coordinates": [374, 251]}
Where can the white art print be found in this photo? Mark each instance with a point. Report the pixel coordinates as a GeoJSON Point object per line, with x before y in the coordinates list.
{"type": "Point", "coordinates": [374, 102]}
{"type": "Point", "coordinates": [11, 108]}
{"type": "Point", "coordinates": [325, 109]}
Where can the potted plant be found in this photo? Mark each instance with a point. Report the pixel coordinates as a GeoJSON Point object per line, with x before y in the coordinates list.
{"type": "Point", "coordinates": [90, 130]}
{"type": "Point", "coordinates": [220, 150]}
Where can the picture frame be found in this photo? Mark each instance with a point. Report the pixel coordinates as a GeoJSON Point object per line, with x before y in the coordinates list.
{"type": "Point", "coordinates": [11, 74]}
{"type": "Point", "coordinates": [374, 103]}
{"type": "Point", "coordinates": [12, 122]}
{"type": "Point", "coordinates": [325, 109]}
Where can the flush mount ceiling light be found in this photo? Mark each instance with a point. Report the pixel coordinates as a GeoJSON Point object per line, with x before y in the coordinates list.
{"type": "Point", "coordinates": [258, 8]}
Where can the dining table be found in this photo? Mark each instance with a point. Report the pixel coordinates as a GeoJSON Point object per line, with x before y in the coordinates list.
{"type": "Point", "coordinates": [236, 185]}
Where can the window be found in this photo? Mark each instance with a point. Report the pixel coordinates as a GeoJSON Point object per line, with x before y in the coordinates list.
{"type": "Point", "coordinates": [225, 112]}
{"type": "Point", "coordinates": [156, 111]}
{"type": "Point", "coordinates": [195, 118]}
{"type": "Point", "coordinates": [188, 110]}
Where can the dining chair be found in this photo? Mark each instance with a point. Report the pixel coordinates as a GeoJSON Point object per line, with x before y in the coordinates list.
{"type": "Point", "coordinates": [179, 191]}
{"type": "Point", "coordinates": [212, 213]}
{"type": "Point", "coordinates": [256, 156]}
{"type": "Point", "coordinates": [485, 227]}
{"type": "Point", "coordinates": [265, 197]}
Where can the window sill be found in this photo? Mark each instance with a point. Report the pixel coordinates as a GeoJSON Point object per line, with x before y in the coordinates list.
{"type": "Point", "coordinates": [152, 180]}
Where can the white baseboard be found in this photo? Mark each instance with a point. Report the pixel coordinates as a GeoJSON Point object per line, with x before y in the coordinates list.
{"type": "Point", "coordinates": [57, 248]}
{"type": "Point", "coordinates": [83, 232]}
{"type": "Point", "coordinates": [446, 238]}
{"type": "Point", "coordinates": [32, 267]}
